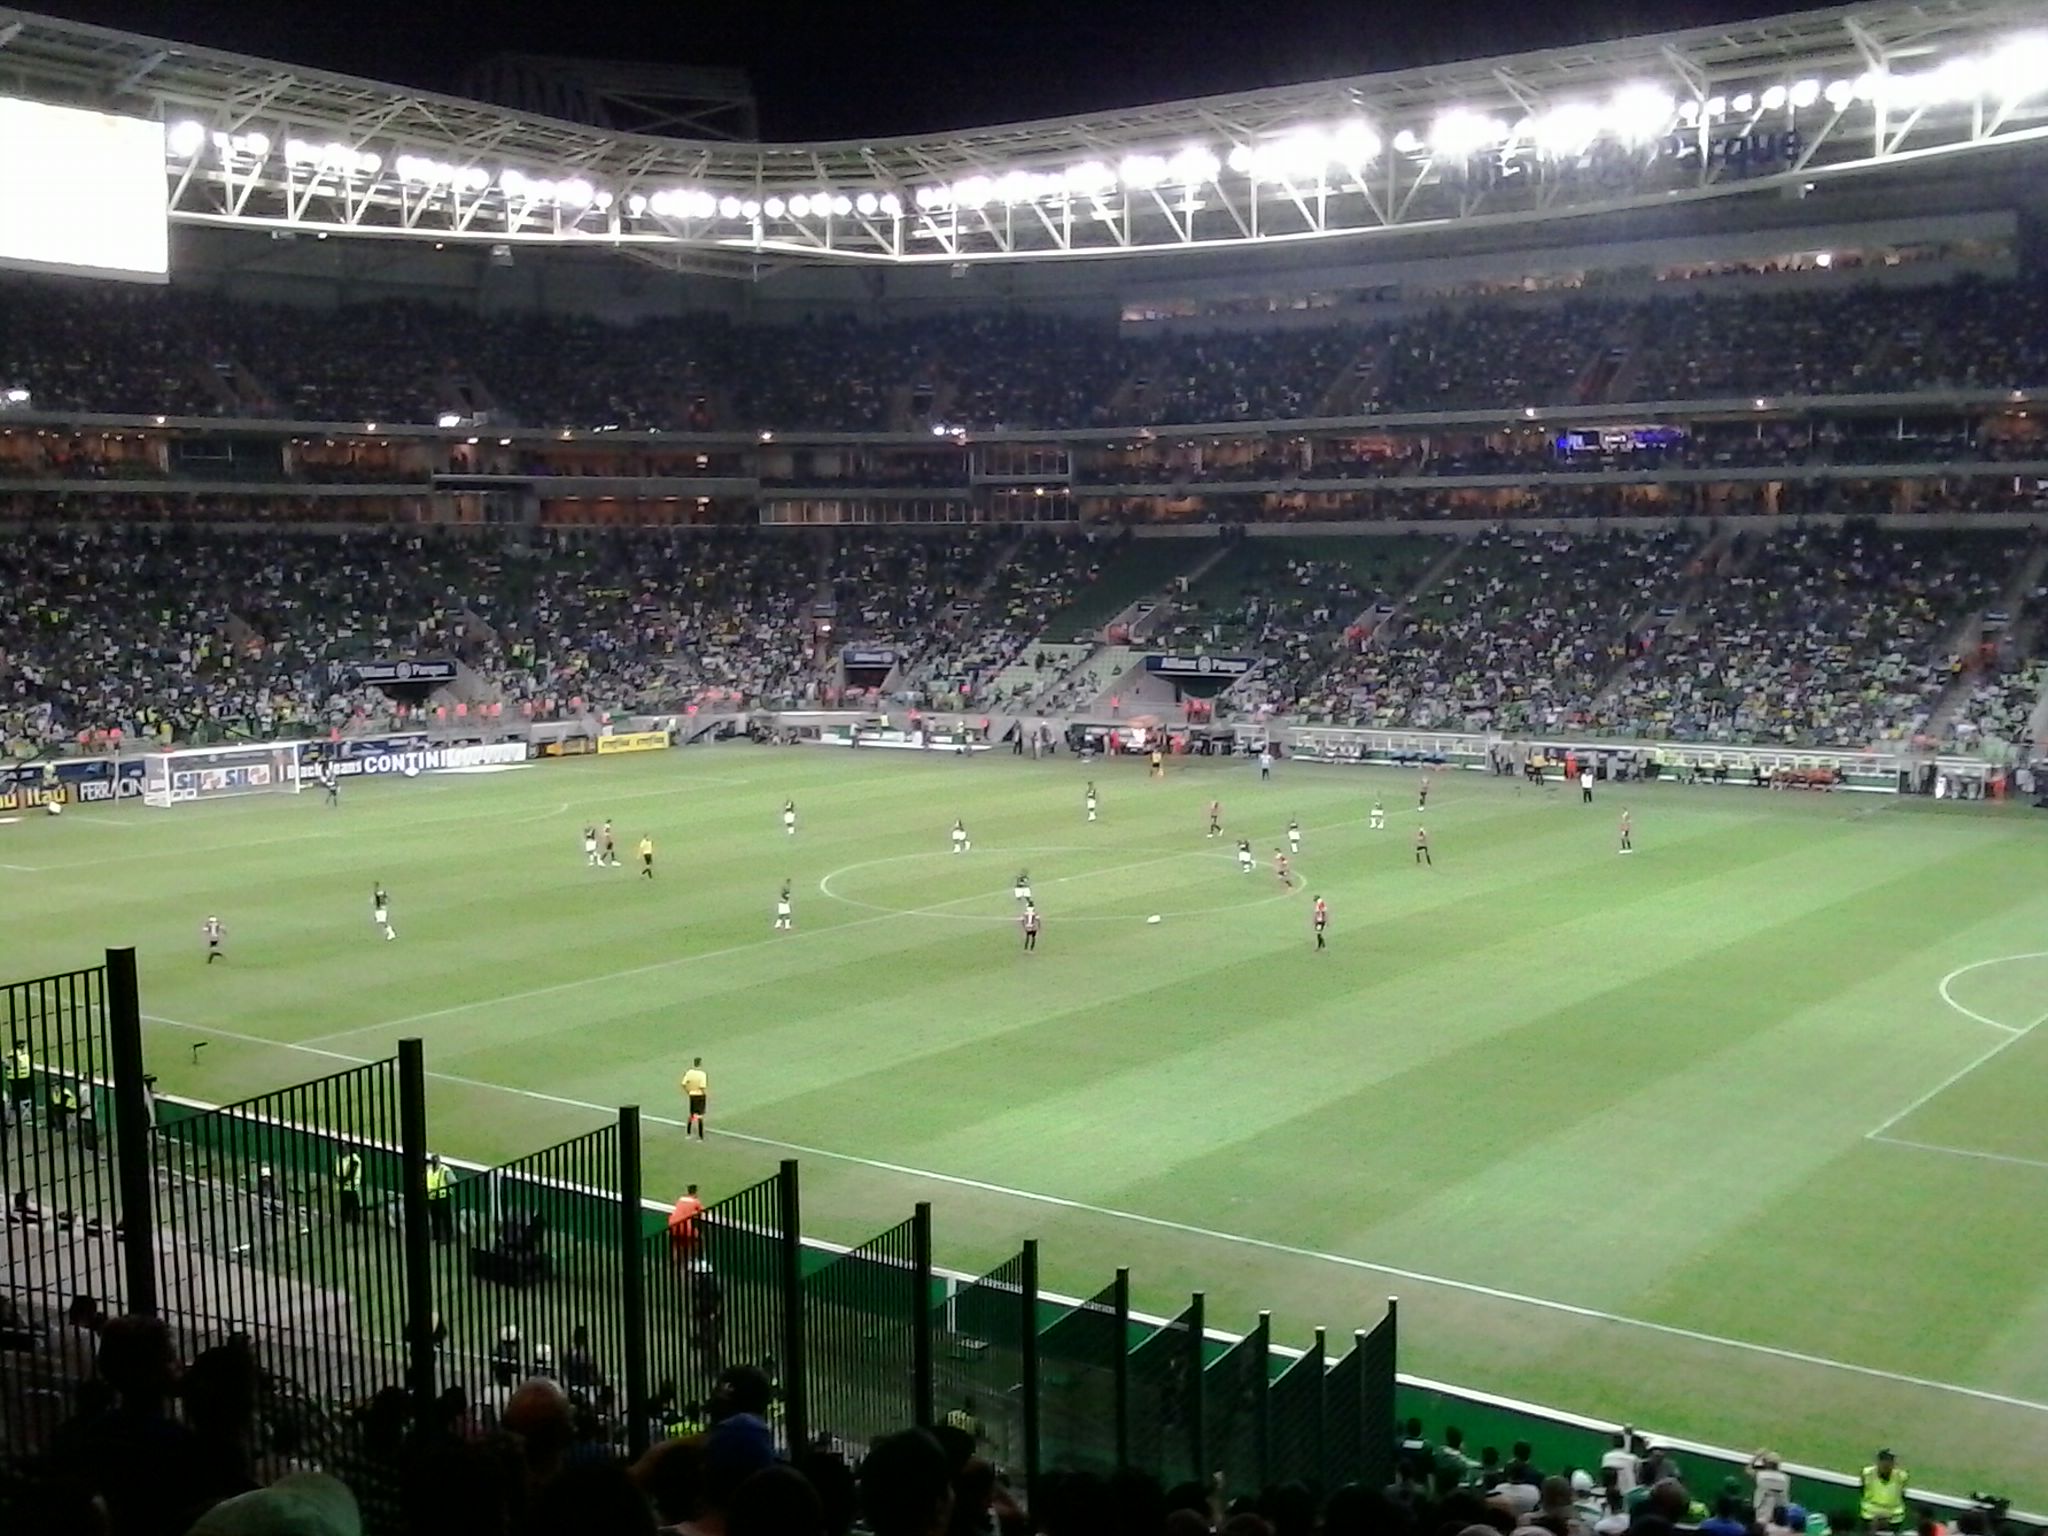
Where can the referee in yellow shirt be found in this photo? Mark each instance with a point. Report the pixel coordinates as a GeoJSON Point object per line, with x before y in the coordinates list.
{"type": "Point", "coordinates": [697, 1089]}
{"type": "Point", "coordinates": [647, 857]}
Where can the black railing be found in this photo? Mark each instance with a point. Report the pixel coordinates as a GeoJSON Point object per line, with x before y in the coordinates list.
{"type": "Point", "coordinates": [310, 1238]}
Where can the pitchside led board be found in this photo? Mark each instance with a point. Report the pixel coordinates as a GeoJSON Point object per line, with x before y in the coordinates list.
{"type": "Point", "coordinates": [82, 192]}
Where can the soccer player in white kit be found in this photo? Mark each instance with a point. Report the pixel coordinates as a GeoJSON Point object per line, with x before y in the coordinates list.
{"type": "Point", "coordinates": [380, 910]}
{"type": "Point", "coordinates": [1023, 887]}
{"type": "Point", "coordinates": [1293, 836]}
{"type": "Point", "coordinates": [783, 920]}
{"type": "Point", "coordinates": [1091, 799]}
{"type": "Point", "coordinates": [1244, 856]}
{"type": "Point", "coordinates": [1379, 815]}
{"type": "Point", "coordinates": [789, 817]}
{"type": "Point", "coordinates": [960, 843]}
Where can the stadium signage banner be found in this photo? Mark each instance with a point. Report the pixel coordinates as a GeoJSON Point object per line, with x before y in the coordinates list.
{"type": "Point", "coordinates": [380, 672]}
{"type": "Point", "coordinates": [868, 656]}
{"type": "Point", "coordinates": [420, 760]}
{"type": "Point", "coordinates": [80, 780]}
{"type": "Point", "coordinates": [632, 741]}
{"type": "Point", "coordinates": [1199, 666]}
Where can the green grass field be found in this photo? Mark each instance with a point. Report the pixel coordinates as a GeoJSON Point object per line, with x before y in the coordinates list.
{"type": "Point", "coordinates": [1738, 1137]}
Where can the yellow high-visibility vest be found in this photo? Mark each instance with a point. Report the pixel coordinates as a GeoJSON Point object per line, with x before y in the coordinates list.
{"type": "Point", "coordinates": [1884, 1498]}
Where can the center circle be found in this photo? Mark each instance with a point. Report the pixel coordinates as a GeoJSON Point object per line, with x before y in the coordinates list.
{"type": "Point", "coordinates": [929, 883]}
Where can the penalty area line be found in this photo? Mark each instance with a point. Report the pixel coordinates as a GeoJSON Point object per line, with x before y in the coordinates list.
{"type": "Point", "coordinates": [1210, 1234]}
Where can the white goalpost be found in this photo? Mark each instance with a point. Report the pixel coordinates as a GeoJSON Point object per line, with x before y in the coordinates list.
{"type": "Point", "coordinates": [214, 773]}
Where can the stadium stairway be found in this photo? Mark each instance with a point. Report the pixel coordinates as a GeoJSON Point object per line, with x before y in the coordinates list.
{"type": "Point", "coordinates": [1025, 679]}
{"type": "Point", "coordinates": [2012, 599]}
{"type": "Point", "coordinates": [1390, 627]}
{"type": "Point", "coordinates": [1705, 567]}
{"type": "Point", "coordinates": [1358, 385]}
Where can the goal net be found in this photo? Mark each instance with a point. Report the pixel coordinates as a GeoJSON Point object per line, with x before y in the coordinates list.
{"type": "Point", "coordinates": [214, 773]}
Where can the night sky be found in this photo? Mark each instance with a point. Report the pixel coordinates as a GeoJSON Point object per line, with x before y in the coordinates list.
{"type": "Point", "coordinates": [858, 68]}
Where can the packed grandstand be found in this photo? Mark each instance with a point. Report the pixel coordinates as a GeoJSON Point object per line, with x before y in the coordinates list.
{"type": "Point", "coordinates": [1771, 475]}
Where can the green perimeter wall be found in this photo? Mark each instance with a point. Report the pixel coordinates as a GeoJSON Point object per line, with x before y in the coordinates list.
{"type": "Point", "coordinates": [1560, 1440]}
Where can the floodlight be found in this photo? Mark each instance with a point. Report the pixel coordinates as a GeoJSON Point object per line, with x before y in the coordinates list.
{"type": "Point", "coordinates": [1406, 142]}
{"type": "Point", "coordinates": [973, 192]}
{"type": "Point", "coordinates": [892, 206]}
{"type": "Point", "coordinates": [749, 209]}
{"type": "Point", "coordinates": [1091, 178]}
{"type": "Point", "coordinates": [867, 203]}
{"type": "Point", "coordinates": [1639, 112]}
{"type": "Point", "coordinates": [1823, 259]}
{"type": "Point", "coordinates": [1868, 84]}
{"type": "Point", "coordinates": [369, 164]}
{"type": "Point", "coordinates": [636, 204]}
{"type": "Point", "coordinates": [254, 144]}
{"type": "Point", "coordinates": [926, 197]}
{"type": "Point", "coordinates": [1839, 93]}
{"type": "Point", "coordinates": [575, 192]}
{"type": "Point", "coordinates": [473, 178]}
{"type": "Point", "coordinates": [1140, 172]}
{"type": "Point", "coordinates": [185, 139]}
{"type": "Point", "coordinates": [799, 207]}
{"type": "Point", "coordinates": [842, 205]}
{"type": "Point", "coordinates": [1567, 128]}
{"type": "Point", "coordinates": [774, 207]}
{"type": "Point", "coordinates": [1743, 103]}
{"type": "Point", "coordinates": [2019, 68]}
{"type": "Point", "coordinates": [1805, 93]}
{"type": "Point", "coordinates": [1239, 159]}
{"type": "Point", "coordinates": [1192, 166]}
{"type": "Point", "coordinates": [728, 207]}
{"type": "Point", "coordinates": [1460, 131]}
{"type": "Point", "coordinates": [16, 396]}
{"type": "Point", "coordinates": [1774, 98]}
{"type": "Point", "coordinates": [1958, 80]}
{"type": "Point", "coordinates": [1354, 142]}
{"type": "Point", "coordinates": [1688, 112]}
{"type": "Point", "coordinates": [1717, 106]}
{"type": "Point", "coordinates": [445, 419]}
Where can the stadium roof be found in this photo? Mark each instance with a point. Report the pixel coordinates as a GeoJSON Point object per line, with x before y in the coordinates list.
{"type": "Point", "coordinates": [1728, 111]}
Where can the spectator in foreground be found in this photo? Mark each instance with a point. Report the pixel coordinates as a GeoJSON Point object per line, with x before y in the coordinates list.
{"type": "Point", "coordinates": [905, 1486]}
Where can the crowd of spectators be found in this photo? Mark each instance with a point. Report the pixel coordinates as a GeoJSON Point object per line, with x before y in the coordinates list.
{"type": "Point", "coordinates": [1842, 635]}
{"type": "Point", "coordinates": [190, 352]}
{"type": "Point", "coordinates": [1522, 633]}
{"type": "Point", "coordinates": [162, 1448]}
{"type": "Point", "coordinates": [1824, 636]}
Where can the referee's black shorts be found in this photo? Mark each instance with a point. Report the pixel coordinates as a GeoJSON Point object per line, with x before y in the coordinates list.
{"type": "Point", "coordinates": [697, 1103]}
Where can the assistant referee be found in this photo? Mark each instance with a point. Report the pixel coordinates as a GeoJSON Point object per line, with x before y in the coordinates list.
{"type": "Point", "coordinates": [697, 1089]}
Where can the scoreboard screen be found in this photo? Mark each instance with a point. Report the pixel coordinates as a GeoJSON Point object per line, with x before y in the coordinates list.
{"type": "Point", "coordinates": [82, 192]}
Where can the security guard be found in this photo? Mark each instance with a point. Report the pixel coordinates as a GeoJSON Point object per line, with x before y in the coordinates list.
{"type": "Point", "coordinates": [21, 1083]}
{"type": "Point", "coordinates": [1884, 1493]}
{"type": "Point", "coordinates": [963, 1418]}
{"type": "Point", "coordinates": [63, 1104]}
{"type": "Point", "coordinates": [348, 1179]}
{"type": "Point", "coordinates": [440, 1199]}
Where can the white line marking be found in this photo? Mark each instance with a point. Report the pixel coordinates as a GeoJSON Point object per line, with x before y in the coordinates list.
{"type": "Point", "coordinates": [935, 910]}
{"type": "Point", "coordinates": [1957, 1076]}
{"type": "Point", "coordinates": [1978, 965]}
{"type": "Point", "coordinates": [591, 981]}
{"type": "Point", "coordinates": [1494, 1293]}
{"type": "Point", "coordinates": [1986, 1157]}
{"type": "Point", "coordinates": [825, 887]}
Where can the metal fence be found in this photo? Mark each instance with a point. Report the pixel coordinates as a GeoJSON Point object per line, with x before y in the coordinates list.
{"type": "Point", "coordinates": [371, 1283]}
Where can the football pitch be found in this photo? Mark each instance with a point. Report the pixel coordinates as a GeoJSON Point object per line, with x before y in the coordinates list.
{"type": "Point", "coordinates": [1739, 1136]}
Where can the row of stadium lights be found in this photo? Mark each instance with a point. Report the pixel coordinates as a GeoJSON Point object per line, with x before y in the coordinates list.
{"type": "Point", "coordinates": [1634, 114]}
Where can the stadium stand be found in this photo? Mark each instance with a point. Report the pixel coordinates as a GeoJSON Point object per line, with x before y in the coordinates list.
{"type": "Point", "coordinates": [183, 352]}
